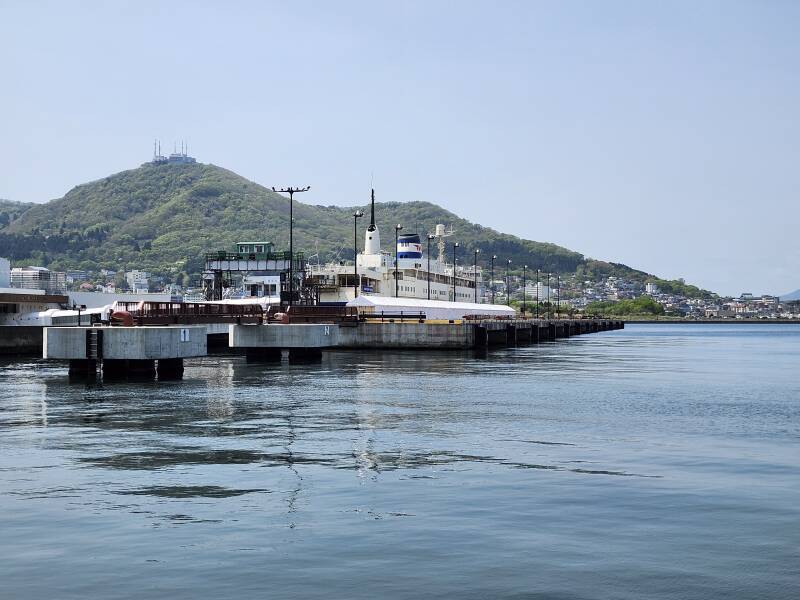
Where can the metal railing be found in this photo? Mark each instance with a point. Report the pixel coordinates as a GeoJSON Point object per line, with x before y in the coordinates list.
{"type": "Point", "coordinates": [167, 313]}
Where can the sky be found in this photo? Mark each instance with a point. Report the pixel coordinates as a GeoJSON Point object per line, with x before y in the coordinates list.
{"type": "Point", "coordinates": [664, 135]}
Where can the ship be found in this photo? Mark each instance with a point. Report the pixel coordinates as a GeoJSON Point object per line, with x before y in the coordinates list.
{"type": "Point", "coordinates": [409, 272]}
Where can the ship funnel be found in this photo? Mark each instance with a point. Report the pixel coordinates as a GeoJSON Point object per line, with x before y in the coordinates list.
{"type": "Point", "coordinates": [372, 239]}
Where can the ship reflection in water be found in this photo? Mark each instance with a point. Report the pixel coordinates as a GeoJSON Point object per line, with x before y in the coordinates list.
{"type": "Point", "coordinates": [654, 461]}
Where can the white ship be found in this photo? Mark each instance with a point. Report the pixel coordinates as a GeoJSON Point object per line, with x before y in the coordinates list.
{"type": "Point", "coordinates": [418, 275]}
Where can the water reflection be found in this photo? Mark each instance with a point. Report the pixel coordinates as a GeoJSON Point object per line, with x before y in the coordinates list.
{"type": "Point", "coordinates": [622, 453]}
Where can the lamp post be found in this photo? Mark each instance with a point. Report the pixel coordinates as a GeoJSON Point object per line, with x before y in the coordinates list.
{"type": "Point", "coordinates": [491, 276]}
{"type": "Point", "coordinates": [524, 275]}
{"type": "Point", "coordinates": [291, 191]}
{"type": "Point", "coordinates": [537, 292]}
{"type": "Point", "coordinates": [430, 237]}
{"type": "Point", "coordinates": [356, 216]}
{"type": "Point", "coordinates": [549, 306]}
{"type": "Point", "coordinates": [455, 246]}
{"type": "Point", "coordinates": [397, 229]}
{"type": "Point", "coordinates": [558, 295]}
{"type": "Point", "coordinates": [475, 272]}
{"type": "Point", "coordinates": [508, 282]}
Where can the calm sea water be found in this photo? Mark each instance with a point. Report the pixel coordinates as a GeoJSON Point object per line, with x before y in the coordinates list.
{"type": "Point", "coordinates": [655, 462]}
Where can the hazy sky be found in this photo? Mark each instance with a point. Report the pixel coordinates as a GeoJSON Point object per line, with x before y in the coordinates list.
{"type": "Point", "coordinates": [664, 135]}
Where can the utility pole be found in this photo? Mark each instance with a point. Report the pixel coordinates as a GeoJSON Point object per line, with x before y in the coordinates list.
{"type": "Point", "coordinates": [397, 229]}
{"type": "Point", "coordinates": [508, 283]}
{"type": "Point", "coordinates": [491, 276]}
{"type": "Point", "coordinates": [524, 294]}
{"type": "Point", "coordinates": [538, 271]}
{"type": "Point", "coordinates": [558, 296]}
{"type": "Point", "coordinates": [356, 216]}
{"type": "Point", "coordinates": [475, 272]}
{"type": "Point", "coordinates": [430, 237]}
{"type": "Point", "coordinates": [291, 191]}
{"type": "Point", "coordinates": [455, 246]}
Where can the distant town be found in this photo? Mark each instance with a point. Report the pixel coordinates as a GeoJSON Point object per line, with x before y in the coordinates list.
{"type": "Point", "coordinates": [564, 293]}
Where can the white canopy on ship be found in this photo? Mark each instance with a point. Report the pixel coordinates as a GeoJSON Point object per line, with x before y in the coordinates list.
{"type": "Point", "coordinates": [433, 309]}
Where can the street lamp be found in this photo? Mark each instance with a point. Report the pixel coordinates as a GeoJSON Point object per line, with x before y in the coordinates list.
{"type": "Point", "coordinates": [524, 275]}
{"type": "Point", "coordinates": [475, 272]}
{"type": "Point", "coordinates": [397, 229]}
{"type": "Point", "coordinates": [558, 295]}
{"type": "Point", "coordinates": [356, 216]}
{"type": "Point", "coordinates": [549, 305]}
{"type": "Point", "coordinates": [430, 237]}
{"type": "Point", "coordinates": [537, 292]}
{"type": "Point", "coordinates": [508, 282]}
{"type": "Point", "coordinates": [455, 246]}
{"type": "Point", "coordinates": [291, 191]}
{"type": "Point", "coordinates": [491, 276]}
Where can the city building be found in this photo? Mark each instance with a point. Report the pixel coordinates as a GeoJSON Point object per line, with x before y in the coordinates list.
{"type": "Point", "coordinates": [651, 289]}
{"type": "Point", "coordinates": [138, 281]}
{"type": "Point", "coordinates": [538, 290]}
{"type": "Point", "coordinates": [39, 278]}
{"type": "Point", "coordinates": [5, 273]}
{"type": "Point", "coordinates": [76, 276]}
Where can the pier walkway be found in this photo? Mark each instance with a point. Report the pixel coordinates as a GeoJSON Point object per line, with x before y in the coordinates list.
{"type": "Point", "coordinates": [147, 351]}
{"type": "Point", "coordinates": [306, 341]}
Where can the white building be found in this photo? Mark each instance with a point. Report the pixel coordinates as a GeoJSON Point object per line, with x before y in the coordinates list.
{"type": "Point", "coordinates": [651, 289]}
{"type": "Point", "coordinates": [138, 281]}
{"type": "Point", "coordinates": [432, 309]}
{"type": "Point", "coordinates": [5, 273]}
{"type": "Point", "coordinates": [262, 286]}
{"type": "Point", "coordinates": [538, 290]}
{"type": "Point", "coordinates": [39, 278]}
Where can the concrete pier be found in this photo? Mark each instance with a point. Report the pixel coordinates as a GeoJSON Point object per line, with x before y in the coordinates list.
{"type": "Point", "coordinates": [125, 352]}
{"type": "Point", "coordinates": [306, 341]}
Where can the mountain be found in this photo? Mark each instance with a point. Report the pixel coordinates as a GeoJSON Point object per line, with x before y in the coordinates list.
{"type": "Point", "coordinates": [795, 295]}
{"type": "Point", "coordinates": [164, 218]}
{"type": "Point", "coordinates": [10, 210]}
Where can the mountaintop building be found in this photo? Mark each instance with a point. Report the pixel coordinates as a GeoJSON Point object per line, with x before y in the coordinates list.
{"type": "Point", "coordinates": [176, 157]}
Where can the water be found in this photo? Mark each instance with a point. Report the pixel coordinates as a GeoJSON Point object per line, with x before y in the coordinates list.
{"type": "Point", "coordinates": [655, 462]}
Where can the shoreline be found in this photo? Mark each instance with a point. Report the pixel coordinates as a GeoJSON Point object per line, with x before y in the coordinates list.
{"type": "Point", "coordinates": [710, 321]}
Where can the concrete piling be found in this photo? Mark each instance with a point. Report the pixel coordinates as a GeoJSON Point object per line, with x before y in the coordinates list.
{"type": "Point", "coordinates": [169, 368]}
{"type": "Point", "coordinates": [263, 355]}
{"type": "Point", "coordinates": [125, 352]}
{"type": "Point", "coordinates": [511, 335]}
{"type": "Point", "coordinates": [304, 355]}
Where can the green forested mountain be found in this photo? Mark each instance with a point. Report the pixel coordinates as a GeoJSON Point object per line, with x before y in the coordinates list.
{"type": "Point", "coordinates": [9, 211]}
{"type": "Point", "coordinates": [164, 218]}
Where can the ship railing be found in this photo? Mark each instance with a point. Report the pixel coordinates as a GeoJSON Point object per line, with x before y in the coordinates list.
{"type": "Point", "coordinates": [299, 313]}
{"type": "Point", "coordinates": [225, 255]}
